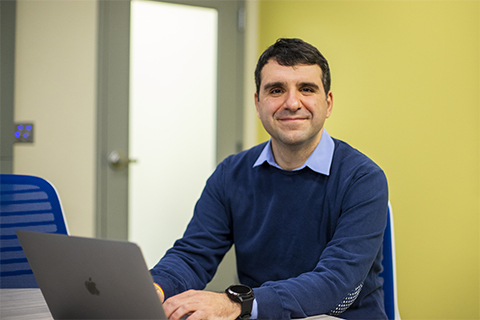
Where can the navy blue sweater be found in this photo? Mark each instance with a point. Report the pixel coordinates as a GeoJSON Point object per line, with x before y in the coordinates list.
{"type": "Point", "coordinates": [307, 243]}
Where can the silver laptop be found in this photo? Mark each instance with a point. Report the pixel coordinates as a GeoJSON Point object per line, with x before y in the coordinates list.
{"type": "Point", "coordinates": [84, 278]}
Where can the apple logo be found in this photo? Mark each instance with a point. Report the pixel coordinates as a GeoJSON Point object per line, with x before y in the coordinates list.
{"type": "Point", "coordinates": [92, 287]}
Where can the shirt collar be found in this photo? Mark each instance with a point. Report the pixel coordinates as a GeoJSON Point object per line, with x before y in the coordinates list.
{"type": "Point", "coordinates": [319, 161]}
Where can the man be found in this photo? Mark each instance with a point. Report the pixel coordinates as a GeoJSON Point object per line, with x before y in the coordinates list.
{"type": "Point", "coordinates": [306, 212]}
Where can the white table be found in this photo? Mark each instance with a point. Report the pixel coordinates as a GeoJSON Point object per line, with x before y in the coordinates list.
{"type": "Point", "coordinates": [25, 304]}
{"type": "Point", "coordinates": [29, 304]}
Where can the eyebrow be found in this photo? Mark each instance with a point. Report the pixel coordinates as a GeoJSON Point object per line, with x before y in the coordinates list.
{"type": "Point", "coordinates": [275, 84]}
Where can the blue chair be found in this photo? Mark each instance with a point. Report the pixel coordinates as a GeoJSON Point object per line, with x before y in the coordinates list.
{"type": "Point", "coordinates": [26, 203]}
{"type": "Point", "coordinates": [389, 271]}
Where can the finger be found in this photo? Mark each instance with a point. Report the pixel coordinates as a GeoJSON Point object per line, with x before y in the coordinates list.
{"type": "Point", "coordinates": [181, 312]}
{"type": "Point", "coordinates": [171, 305]}
{"type": "Point", "coordinates": [183, 304]}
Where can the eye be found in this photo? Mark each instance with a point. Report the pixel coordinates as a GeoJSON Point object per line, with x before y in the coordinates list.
{"type": "Point", "coordinates": [308, 90]}
{"type": "Point", "coordinates": [276, 91]}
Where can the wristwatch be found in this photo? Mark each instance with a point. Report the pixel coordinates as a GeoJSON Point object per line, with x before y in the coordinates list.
{"type": "Point", "coordinates": [243, 295]}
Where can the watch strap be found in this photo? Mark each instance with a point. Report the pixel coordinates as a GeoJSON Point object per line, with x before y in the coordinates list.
{"type": "Point", "coordinates": [247, 305]}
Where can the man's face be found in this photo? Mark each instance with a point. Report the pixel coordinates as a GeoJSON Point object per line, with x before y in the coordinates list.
{"type": "Point", "coordinates": [292, 104]}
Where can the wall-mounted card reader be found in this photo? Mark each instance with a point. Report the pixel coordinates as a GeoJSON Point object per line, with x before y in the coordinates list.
{"type": "Point", "coordinates": [23, 132]}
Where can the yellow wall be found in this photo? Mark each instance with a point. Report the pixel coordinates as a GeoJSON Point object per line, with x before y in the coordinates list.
{"type": "Point", "coordinates": [406, 92]}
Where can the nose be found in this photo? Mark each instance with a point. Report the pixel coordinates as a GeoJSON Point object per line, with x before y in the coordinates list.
{"type": "Point", "coordinates": [292, 101]}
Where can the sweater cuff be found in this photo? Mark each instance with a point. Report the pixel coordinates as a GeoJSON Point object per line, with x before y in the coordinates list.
{"type": "Point", "coordinates": [167, 286]}
{"type": "Point", "coordinates": [269, 305]}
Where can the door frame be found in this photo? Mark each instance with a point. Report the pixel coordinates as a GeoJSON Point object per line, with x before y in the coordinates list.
{"type": "Point", "coordinates": [113, 101]}
{"type": "Point", "coordinates": [8, 11]}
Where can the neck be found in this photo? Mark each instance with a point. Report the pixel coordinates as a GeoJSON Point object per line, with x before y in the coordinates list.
{"type": "Point", "coordinates": [290, 157]}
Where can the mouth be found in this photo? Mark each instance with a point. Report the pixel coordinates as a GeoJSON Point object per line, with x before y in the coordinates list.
{"type": "Point", "coordinates": [291, 119]}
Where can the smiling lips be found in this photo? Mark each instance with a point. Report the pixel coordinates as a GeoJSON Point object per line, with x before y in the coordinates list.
{"type": "Point", "coordinates": [291, 119]}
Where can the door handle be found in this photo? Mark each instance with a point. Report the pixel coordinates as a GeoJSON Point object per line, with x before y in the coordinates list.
{"type": "Point", "coordinates": [118, 161]}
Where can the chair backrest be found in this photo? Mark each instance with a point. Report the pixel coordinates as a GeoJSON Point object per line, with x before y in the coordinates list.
{"type": "Point", "coordinates": [389, 271]}
{"type": "Point", "coordinates": [26, 203]}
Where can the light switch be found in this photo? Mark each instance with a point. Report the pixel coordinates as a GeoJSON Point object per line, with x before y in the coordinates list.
{"type": "Point", "coordinates": [23, 132]}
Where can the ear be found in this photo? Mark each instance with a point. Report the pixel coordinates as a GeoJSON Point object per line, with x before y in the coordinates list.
{"type": "Point", "coordinates": [329, 103]}
{"type": "Point", "coordinates": [256, 104]}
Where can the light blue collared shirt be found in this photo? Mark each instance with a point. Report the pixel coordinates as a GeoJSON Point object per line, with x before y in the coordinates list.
{"type": "Point", "coordinates": [319, 161]}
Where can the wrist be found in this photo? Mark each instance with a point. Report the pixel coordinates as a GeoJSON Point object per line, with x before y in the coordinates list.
{"type": "Point", "coordinates": [235, 307]}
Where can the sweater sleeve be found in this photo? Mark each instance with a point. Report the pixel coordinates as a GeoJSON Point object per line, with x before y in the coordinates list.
{"type": "Point", "coordinates": [338, 278]}
{"type": "Point", "coordinates": [193, 260]}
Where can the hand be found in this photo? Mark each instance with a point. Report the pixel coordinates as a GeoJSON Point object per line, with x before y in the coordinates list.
{"type": "Point", "coordinates": [201, 305]}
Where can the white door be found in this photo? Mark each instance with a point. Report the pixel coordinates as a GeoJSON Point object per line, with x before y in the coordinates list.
{"type": "Point", "coordinates": [173, 81]}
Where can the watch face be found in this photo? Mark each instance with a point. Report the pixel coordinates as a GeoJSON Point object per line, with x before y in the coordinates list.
{"type": "Point", "coordinates": [240, 289]}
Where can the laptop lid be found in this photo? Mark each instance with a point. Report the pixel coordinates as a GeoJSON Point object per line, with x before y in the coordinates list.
{"type": "Point", "coordinates": [86, 278]}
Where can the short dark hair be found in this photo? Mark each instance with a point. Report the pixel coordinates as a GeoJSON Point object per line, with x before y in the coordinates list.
{"type": "Point", "coordinates": [292, 52]}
